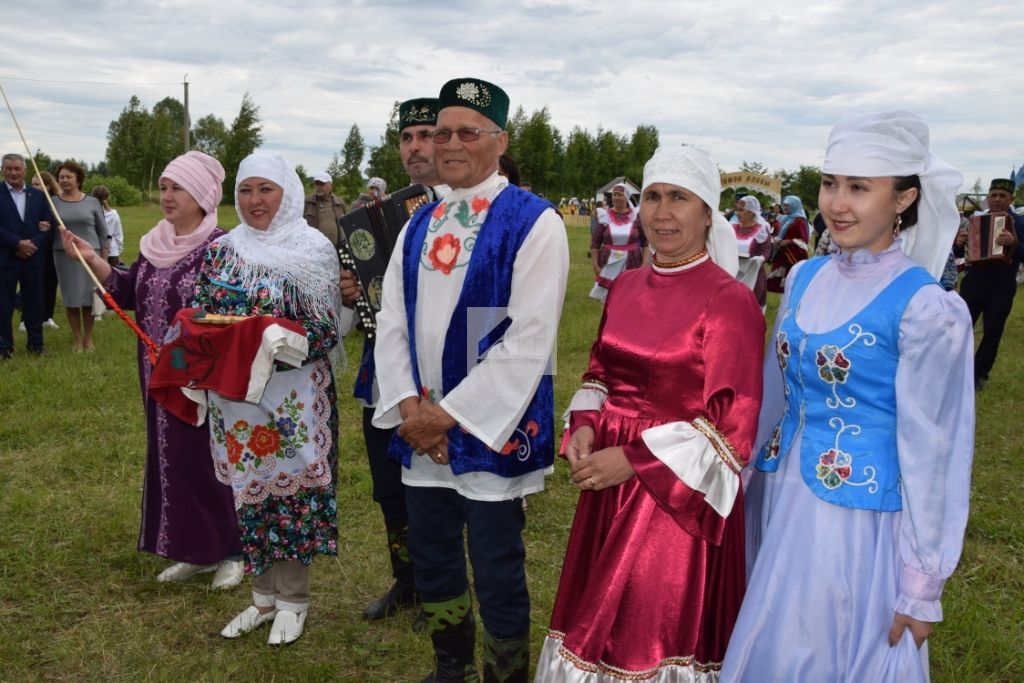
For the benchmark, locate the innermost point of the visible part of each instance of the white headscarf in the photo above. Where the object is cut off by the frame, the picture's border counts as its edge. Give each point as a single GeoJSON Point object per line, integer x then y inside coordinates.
{"type": "Point", "coordinates": [288, 252]}
{"type": "Point", "coordinates": [895, 143]}
{"type": "Point", "coordinates": [695, 170]}
{"type": "Point", "coordinates": [751, 203]}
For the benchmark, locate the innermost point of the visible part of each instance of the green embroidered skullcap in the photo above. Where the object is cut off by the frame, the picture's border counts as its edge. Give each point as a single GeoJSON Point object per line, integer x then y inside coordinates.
{"type": "Point", "coordinates": [421, 111]}
{"type": "Point", "coordinates": [486, 98]}
{"type": "Point", "coordinates": [1001, 184]}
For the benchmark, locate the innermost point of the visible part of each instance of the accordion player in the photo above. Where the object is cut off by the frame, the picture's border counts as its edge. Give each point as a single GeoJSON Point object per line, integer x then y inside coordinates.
{"type": "Point", "coordinates": [371, 232]}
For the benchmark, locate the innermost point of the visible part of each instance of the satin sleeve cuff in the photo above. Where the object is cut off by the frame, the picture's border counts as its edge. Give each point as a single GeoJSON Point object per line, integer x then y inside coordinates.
{"type": "Point", "coordinates": [585, 406]}
{"type": "Point", "coordinates": [706, 467]}
{"type": "Point", "coordinates": [920, 595]}
{"type": "Point", "coordinates": [583, 418]}
{"type": "Point", "coordinates": [590, 396]}
{"type": "Point", "coordinates": [922, 610]}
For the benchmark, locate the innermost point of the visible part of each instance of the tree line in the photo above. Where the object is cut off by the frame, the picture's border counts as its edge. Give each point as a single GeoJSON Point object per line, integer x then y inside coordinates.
{"type": "Point", "coordinates": [141, 141]}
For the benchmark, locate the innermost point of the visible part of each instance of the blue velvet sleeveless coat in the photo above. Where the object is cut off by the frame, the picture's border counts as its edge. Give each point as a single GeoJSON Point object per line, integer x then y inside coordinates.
{"type": "Point", "coordinates": [841, 392]}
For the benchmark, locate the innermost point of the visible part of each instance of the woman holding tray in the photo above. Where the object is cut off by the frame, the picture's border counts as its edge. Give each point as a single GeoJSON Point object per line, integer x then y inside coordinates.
{"type": "Point", "coordinates": [280, 456]}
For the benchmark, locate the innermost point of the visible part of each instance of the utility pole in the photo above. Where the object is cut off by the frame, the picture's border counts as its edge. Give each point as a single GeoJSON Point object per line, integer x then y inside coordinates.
{"type": "Point", "coordinates": [188, 122]}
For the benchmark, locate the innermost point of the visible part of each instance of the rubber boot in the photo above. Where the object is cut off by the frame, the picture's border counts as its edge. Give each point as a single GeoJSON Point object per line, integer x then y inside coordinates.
{"type": "Point", "coordinates": [453, 633]}
{"type": "Point", "coordinates": [402, 592]}
{"type": "Point", "coordinates": [506, 660]}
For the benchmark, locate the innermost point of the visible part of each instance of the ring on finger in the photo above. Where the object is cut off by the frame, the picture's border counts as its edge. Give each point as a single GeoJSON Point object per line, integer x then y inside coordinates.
{"type": "Point", "coordinates": [593, 484]}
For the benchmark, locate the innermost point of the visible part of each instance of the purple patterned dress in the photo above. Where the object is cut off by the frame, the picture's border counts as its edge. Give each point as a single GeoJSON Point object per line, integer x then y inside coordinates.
{"type": "Point", "coordinates": [187, 514]}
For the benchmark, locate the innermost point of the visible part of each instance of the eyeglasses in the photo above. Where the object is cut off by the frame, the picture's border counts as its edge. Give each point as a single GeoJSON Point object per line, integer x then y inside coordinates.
{"type": "Point", "coordinates": [443, 135]}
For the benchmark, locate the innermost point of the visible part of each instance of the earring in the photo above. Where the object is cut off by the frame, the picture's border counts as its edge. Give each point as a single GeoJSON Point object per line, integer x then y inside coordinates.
{"type": "Point", "coordinates": [897, 225]}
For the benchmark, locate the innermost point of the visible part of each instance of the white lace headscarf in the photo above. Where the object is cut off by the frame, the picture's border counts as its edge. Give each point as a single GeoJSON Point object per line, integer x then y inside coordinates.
{"type": "Point", "coordinates": [895, 144]}
{"type": "Point", "coordinates": [288, 252]}
{"type": "Point", "coordinates": [751, 203]}
{"type": "Point", "coordinates": [694, 169]}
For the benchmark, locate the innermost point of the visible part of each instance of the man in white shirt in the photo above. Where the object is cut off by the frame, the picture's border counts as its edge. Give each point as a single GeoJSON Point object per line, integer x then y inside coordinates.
{"type": "Point", "coordinates": [470, 309]}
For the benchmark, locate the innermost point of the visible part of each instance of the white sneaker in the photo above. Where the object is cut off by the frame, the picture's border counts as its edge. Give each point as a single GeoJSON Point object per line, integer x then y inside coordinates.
{"type": "Point", "coordinates": [98, 318]}
{"type": "Point", "coordinates": [248, 620]}
{"type": "Point", "coordinates": [183, 570]}
{"type": "Point", "coordinates": [287, 627]}
{"type": "Point", "coordinates": [229, 573]}
{"type": "Point", "coordinates": [21, 326]}
{"type": "Point", "coordinates": [52, 325]}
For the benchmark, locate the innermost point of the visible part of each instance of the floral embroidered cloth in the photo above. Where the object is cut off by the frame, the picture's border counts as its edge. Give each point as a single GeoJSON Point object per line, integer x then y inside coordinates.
{"type": "Point", "coordinates": [279, 445]}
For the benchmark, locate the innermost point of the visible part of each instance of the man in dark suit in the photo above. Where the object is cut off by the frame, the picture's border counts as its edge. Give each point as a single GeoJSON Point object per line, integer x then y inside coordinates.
{"type": "Point", "coordinates": [25, 221]}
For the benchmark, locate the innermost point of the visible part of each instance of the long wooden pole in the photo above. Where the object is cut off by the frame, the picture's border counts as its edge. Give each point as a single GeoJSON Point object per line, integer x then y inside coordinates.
{"type": "Point", "coordinates": [151, 347]}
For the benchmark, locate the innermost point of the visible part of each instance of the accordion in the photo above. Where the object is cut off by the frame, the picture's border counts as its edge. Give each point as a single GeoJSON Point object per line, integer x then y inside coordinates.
{"type": "Point", "coordinates": [981, 239]}
{"type": "Point", "coordinates": [370, 235]}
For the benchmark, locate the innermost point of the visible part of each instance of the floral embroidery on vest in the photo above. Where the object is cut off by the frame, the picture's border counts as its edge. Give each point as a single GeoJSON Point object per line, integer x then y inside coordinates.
{"type": "Point", "coordinates": [519, 442]}
{"type": "Point", "coordinates": [782, 349]}
{"type": "Point", "coordinates": [836, 465]}
{"type": "Point", "coordinates": [834, 367]}
{"type": "Point", "coordinates": [774, 444]}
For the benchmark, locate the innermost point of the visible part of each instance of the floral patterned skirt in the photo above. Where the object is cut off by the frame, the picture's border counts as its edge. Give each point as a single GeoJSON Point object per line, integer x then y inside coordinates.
{"type": "Point", "coordinates": [281, 459]}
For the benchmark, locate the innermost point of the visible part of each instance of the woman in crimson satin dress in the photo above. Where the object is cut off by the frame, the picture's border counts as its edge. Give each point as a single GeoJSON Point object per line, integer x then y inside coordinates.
{"type": "Point", "coordinates": [654, 570]}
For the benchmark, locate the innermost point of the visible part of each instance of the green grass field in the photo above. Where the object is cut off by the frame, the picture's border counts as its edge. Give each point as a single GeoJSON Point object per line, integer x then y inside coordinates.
{"type": "Point", "coordinates": [77, 602]}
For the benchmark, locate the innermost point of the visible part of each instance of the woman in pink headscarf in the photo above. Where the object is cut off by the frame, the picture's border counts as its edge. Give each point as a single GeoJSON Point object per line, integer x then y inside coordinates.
{"type": "Point", "coordinates": [187, 514]}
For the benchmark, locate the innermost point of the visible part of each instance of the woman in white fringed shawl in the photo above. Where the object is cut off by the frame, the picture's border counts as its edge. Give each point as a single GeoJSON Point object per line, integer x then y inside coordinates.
{"type": "Point", "coordinates": [280, 456]}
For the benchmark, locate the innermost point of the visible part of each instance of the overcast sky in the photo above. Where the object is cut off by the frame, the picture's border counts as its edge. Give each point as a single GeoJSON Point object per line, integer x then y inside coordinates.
{"type": "Point", "coordinates": [758, 81]}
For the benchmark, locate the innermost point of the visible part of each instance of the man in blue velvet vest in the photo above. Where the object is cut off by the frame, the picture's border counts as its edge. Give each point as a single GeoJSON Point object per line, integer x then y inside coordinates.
{"type": "Point", "coordinates": [466, 333]}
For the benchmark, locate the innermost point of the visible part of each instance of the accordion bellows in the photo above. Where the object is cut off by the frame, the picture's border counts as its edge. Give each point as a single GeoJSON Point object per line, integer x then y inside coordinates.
{"type": "Point", "coordinates": [981, 239]}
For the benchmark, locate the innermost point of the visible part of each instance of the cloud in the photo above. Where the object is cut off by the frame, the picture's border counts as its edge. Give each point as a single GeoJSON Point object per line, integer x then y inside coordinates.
{"type": "Point", "coordinates": [749, 81]}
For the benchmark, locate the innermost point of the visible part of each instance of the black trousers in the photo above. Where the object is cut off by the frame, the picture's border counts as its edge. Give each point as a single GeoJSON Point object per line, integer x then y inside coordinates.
{"type": "Point", "coordinates": [386, 474]}
{"type": "Point", "coordinates": [49, 285]}
{"type": "Point", "coordinates": [437, 518]}
{"type": "Point", "coordinates": [989, 295]}
{"type": "Point", "coordinates": [31, 281]}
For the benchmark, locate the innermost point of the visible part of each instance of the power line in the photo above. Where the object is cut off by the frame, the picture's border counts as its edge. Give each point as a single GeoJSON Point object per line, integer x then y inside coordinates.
{"type": "Point", "coordinates": [43, 80]}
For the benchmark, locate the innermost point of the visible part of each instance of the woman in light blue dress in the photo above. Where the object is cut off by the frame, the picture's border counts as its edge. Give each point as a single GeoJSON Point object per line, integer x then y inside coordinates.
{"type": "Point", "coordinates": [858, 499]}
